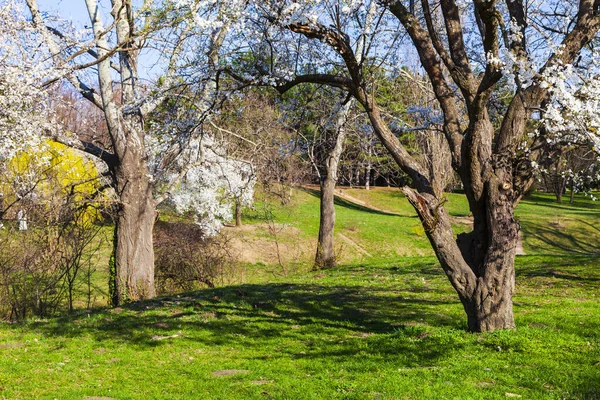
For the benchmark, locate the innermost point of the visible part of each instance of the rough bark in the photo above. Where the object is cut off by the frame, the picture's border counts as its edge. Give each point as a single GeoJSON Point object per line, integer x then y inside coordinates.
{"type": "Point", "coordinates": [325, 257]}
{"type": "Point", "coordinates": [134, 253]}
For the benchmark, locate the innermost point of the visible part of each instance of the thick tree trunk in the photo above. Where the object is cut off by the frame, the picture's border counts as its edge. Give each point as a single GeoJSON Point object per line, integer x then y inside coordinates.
{"type": "Point", "coordinates": [134, 252]}
{"type": "Point", "coordinates": [491, 307]}
{"type": "Point", "coordinates": [483, 277]}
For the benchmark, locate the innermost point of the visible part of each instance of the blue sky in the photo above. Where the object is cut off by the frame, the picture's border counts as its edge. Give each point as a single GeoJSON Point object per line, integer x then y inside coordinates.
{"type": "Point", "coordinates": [76, 12]}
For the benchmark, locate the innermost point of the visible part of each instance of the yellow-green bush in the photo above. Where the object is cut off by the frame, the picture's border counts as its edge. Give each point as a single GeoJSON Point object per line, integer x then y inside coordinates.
{"type": "Point", "coordinates": [49, 176]}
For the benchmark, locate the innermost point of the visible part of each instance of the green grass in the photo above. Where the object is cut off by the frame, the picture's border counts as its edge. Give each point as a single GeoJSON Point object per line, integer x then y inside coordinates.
{"type": "Point", "coordinates": [548, 227]}
{"type": "Point", "coordinates": [361, 331]}
{"type": "Point", "coordinates": [384, 326]}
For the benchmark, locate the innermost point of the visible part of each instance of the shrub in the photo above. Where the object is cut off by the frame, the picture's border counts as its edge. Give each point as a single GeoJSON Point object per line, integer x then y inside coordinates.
{"type": "Point", "coordinates": [43, 268]}
{"type": "Point", "coordinates": [186, 259]}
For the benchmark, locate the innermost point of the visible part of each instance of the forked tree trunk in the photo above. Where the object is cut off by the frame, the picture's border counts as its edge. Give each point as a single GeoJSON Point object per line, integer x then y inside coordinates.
{"type": "Point", "coordinates": [480, 265]}
{"type": "Point", "coordinates": [490, 306]}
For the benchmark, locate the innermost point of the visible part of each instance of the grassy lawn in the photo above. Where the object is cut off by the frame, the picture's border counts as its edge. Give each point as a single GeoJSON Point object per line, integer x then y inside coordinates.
{"type": "Point", "coordinates": [381, 326]}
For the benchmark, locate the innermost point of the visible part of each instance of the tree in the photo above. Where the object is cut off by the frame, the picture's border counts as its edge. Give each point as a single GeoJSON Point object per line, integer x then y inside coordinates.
{"type": "Point", "coordinates": [322, 133]}
{"type": "Point", "coordinates": [186, 38]}
{"type": "Point", "coordinates": [460, 45]}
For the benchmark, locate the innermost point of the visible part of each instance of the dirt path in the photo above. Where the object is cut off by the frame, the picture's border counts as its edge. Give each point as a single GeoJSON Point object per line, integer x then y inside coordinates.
{"type": "Point", "coordinates": [344, 196]}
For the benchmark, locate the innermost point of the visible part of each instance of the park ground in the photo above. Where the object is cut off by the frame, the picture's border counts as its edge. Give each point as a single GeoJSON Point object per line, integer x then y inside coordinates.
{"type": "Point", "coordinates": [384, 324]}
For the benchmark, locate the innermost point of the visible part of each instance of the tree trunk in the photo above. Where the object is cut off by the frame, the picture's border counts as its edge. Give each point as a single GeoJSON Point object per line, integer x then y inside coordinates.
{"type": "Point", "coordinates": [481, 271]}
{"type": "Point", "coordinates": [572, 195]}
{"type": "Point", "coordinates": [368, 169]}
{"type": "Point", "coordinates": [325, 257]}
{"type": "Point", "coordinates": [134, 252]}
{"type": "Point", "coordinates": [238, 213]}
{"type": "Point", "coordinates": [491, 307]}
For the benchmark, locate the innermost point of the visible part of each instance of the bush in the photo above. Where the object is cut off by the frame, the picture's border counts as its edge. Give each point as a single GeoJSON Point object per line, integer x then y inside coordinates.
{"type": "Point", "coordinates": [185, 259]}
{"type": "Point", "coordinates": [43, 268]}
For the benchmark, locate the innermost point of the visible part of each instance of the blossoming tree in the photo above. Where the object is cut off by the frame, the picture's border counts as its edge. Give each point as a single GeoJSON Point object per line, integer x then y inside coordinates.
{"type": "Point", "coordinates": [183, 40]}
{"type": "Point", "coordinates": [466, 48]}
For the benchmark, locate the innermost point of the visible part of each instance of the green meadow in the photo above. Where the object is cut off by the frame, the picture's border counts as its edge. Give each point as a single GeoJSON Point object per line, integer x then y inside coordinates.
{"type": "Point", "coordinates": [384, 324]}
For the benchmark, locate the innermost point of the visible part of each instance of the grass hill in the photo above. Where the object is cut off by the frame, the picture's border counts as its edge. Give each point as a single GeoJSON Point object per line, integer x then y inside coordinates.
{"type": "Point", "coordinates": [385, 324]}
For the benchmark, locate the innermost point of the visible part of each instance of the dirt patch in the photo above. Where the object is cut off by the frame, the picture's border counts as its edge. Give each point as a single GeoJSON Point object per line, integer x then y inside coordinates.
{"type": "Point", "coordinates": [11, 345]}
{"type": "Point", "coordinates": [269, 245]}
{"type": "Point", "coordinates": [462, 220]}
{"type": "Point", "coordinates": [261, 382]}
{"type": "Point", "coordinates": [157, 337]}
{"type": "Point", "coordinates": [354, 245]}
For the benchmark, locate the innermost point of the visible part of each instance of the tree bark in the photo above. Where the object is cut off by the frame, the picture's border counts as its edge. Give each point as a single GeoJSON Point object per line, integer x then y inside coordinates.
{"type": "Point", "coordinates": [484, 288]}
{"type": "Point", "coordinates": [368, 168]}
{"type": "Point", "coordinates": [238, 213]}
{"type": "Point", "coordinates": [325, 257]}
{"type": "Point", "coordinates": [134, 252]}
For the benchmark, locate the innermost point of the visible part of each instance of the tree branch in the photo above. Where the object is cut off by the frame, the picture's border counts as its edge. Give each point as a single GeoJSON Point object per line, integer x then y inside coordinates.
{"type": "Point", "coordinates": [340, 82]}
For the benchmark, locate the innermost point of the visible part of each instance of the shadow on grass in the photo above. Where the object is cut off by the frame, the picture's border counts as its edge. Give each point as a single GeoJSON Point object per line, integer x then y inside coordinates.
{"type": "Point", "coordinates": [550, 201]}
{"type": "Point", "coordinates": [258, 316]}
{"type": "Point", "coordinates": [580, 238]}
{"type": "Point", "coordinates": [338, 201]}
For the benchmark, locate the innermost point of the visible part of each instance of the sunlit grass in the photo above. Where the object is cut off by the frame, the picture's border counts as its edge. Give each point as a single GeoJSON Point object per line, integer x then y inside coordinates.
{"type": "Point", "coordinates": [382, 326]}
